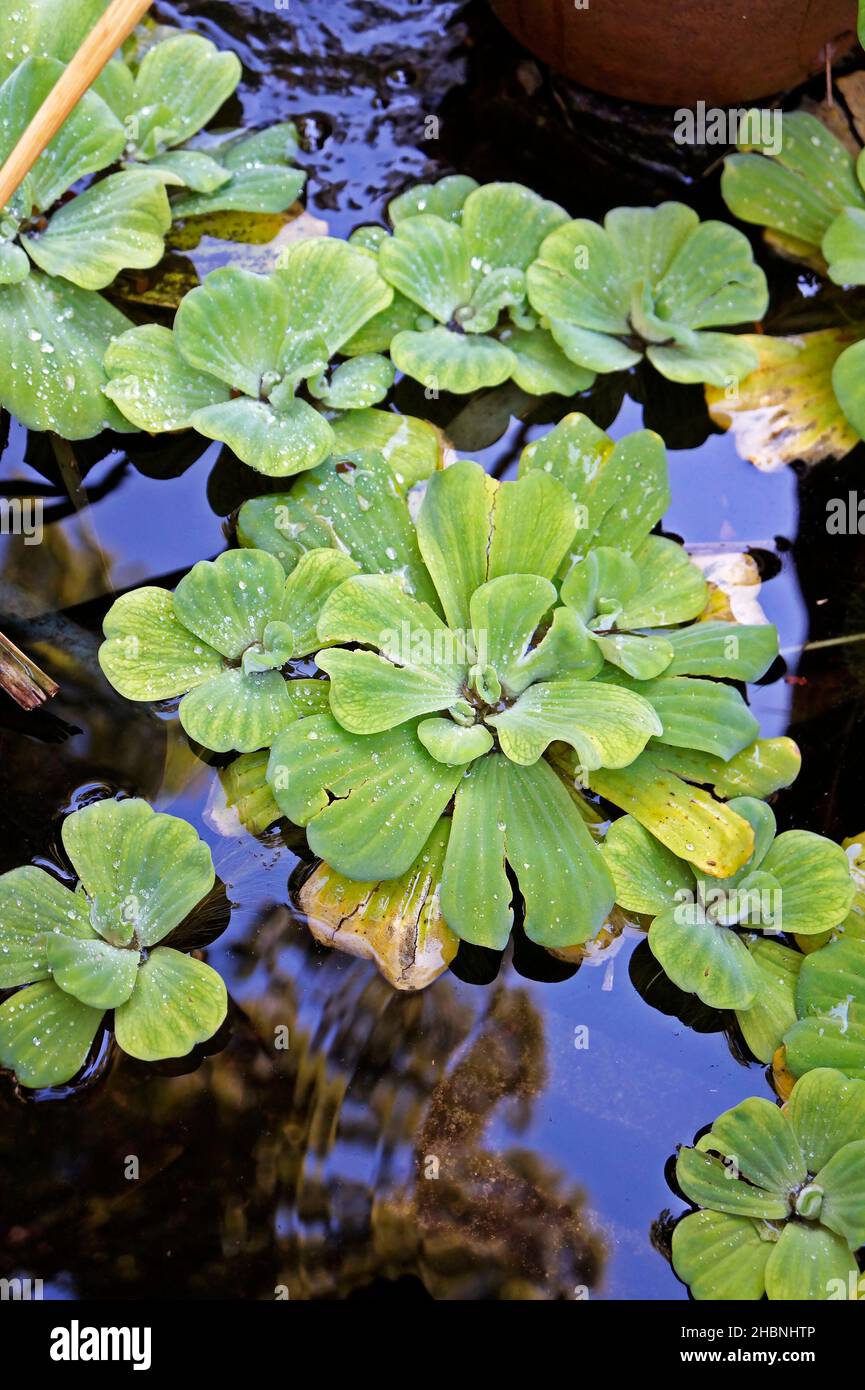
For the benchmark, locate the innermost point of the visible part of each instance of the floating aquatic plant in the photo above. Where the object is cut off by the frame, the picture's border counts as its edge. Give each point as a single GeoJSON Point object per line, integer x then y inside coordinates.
{"type": "Point", "coordinates": [58, 250]}
{"type": "Point", "coordinates": [222, 641]}
{"type": "Point", "coordinates": [795, 882]}
{"type": "Point", "coordinates": [243, 348]}
{"type": "Point", "coordinates": [485, 649]}
{"type": "Point", "coordinates": [457, 260]}
{"type": "Point", "coordinates": [71, 955]}
{"type": "Point", "coordinates": [651, 281]}
{"type": "Point", "coordinates": [781, 1194]}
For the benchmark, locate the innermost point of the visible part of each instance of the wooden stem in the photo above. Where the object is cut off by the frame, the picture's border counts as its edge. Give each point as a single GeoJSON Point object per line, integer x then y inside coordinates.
{"type": "Point", "coordinates": [103, 40]}
{"type": "Point", "coordinates": [22, 678]}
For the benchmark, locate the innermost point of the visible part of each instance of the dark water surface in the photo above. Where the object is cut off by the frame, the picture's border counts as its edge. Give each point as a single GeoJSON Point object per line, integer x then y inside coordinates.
{"type": "Point", "coordinates": [305, 1168]}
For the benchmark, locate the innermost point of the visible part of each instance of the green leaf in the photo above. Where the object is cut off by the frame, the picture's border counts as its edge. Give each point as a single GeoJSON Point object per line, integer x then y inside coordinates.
{"type": "Point", "coordinates": [453, 531]}
{"type": "Point", "coordinates": [605, 725]}
{"type": "Point", "coordinates": [317, 574]}
{"type": "Point", "coordinates": [51, 377]}
{"type": "Point", "coordinates": [540, 367]}
{"type": "Point", "coordinates": [445, 199]}
{"type": "Point", "coordinates": [686, 819]}
{"type": "Point", "coordinates": [621, 490]}
{"type": "Point", "coordinates": [646, 874]}
{"type": "Point", "coordinates": [505, 223]}
{"type": "Point", "coordinates": [580, 277]}
{"type": "Point", "coordinates": [454, 744]}
{"type": "Point", "coordinates": [759, 1138]}
{"type": "Point", "coordinates": [143, 871]}
{"type": "Point", "coordinates": [376, 610]}
{"type": "Point", "coordinates": [831, 978]}
{"type": "Point", "coordinates": [773, 1009]}
{"type": "Point", "coordinates": [827, 1111]}
{"type": "Point", "coordinates": [95, 972]}
{"type": "Point", "coordinates": [717, 358]}
{"type": "Point", "coordinates": [181, 82]}
{"type": "Point", "coordinates": [698, 713]}
{"type": "Point", "coordinates": [191, 169]}
{"type": "Point", "coordinates": [638, 656]}
{"type": "Point", "coordinates": [148, 654]}
{"type": "Point", "coordinates": [429, 261]}
{"type": "Point", "coordinates": [357, 384]}
{"type": "Point", "coordinates": [734, 651]}
{"type": "Point", "coordinates": [524, 815]}
{"type": "Point", "coordinates": [844, 247]}
{"type": "Point", "coordinates": [710, 1183]}
{"type": "Point", "coordinates": [331, 287]}
{"type": "Point", "coordinates": [237, 710]}
{"type": "Point", "coordinates": [152, 384]}
{"type": "Point", "coordinates": [90, 138]}
{"type": "Point", "coordinates": [14, 265]}
{"type": "Point", "coordinates": [227, 602]}
{"type": "Point", "coordinates": [177, 1002]}
{"type": "Point", "coordinates": [33, 905]}
{"type": "Point", "coordinates": [45, 28]}
{"type": "Point", "coordinates": [505, 614]}
{"type": "Point", "coordinates": [722, 1258]}
{"type": "Point", "coordinates": [517, 545]}
{"type": "Point", "coordinates": [759, 770]}
{"type": "Point", "coordinates": [369, 694]}
{"type": "Point", "coordinates": [672, 588]}
{"type": "Point", "coordinates": [45, 1034]}
{"type": "Point", "coordinates": [815, 881]}
{"type": "Point", "coordinates": [601, 583]}
{"type": "Point", "coordinates": [648, 239]}
{"type": "Point", "coordinates": [389, 794]}
{"type": "Point", "coordinates": [712, 280]}
{"type": "Point", "coordinates": [234, 327]}
{"type": "Point", "coordinates": [266, 188]}
{"type": "Point", "coordinates": [120, 221]}
{"type": "Point", "coordinates": [806, 1264]}
{"type": "Point", "coordinates": [704, 958]}
{"type": "Point", "coordinates": [848, 376]}
{"type": "Point", "coordinates": [444, 360]}
{"type": "Point", "coordinates": [356, 507]}
{"type": "Point", "coordinates": [842, 1180]}
{"type": "Point", "coordinates": [397, 924]}
{"type": "Point", "coordinates": [277, 443]}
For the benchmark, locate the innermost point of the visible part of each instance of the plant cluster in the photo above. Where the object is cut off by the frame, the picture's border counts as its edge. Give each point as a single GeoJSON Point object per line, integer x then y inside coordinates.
{"type": "Point", "coordinates": [101, 198]}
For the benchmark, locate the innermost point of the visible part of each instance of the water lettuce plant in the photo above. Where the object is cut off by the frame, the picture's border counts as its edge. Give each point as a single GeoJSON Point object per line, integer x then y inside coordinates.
{"type": "Point", "coordinates": [484, 649]}
{"type": "Point", "coordinates": [654, 282]}
{"type": "Point", "coordinates": [72, 955]}
{"type": "Point", "coordinates": [221, 641]}
{"type": "Point", "coordinates": [246, 350]}
{"type": "Point", "coordinates": [781, 1197]}
{"type": "Point", "coordinates": [59, 248]}
{"type": "Point", "coordinates": [796, 882]}
{"type": "Point", "coordinates": [457, 260]}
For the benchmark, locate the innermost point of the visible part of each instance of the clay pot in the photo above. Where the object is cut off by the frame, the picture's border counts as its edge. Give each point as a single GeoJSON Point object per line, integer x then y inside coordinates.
{"type": "Point", "coordinates": [679, 52]}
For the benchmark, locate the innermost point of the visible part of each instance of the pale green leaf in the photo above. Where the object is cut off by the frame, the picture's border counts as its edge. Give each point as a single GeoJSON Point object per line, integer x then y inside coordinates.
{"type": "Point", "coordinates": [721, 1258]}
{"type": "Point", "coordinates": [33, 906]}
{"type": "Point", "coordinates": [148, 654]}
{"type": "Point", "coordinates": [119, 221]}
{"type": "Point", "coordinates": [151, 383]}
{"type": "Point", "coordinates": [177, 1002]}
{"type": "Point", "coordinates": [45, 1034]}
{"type": "Point", "coordinates": [605, 725]}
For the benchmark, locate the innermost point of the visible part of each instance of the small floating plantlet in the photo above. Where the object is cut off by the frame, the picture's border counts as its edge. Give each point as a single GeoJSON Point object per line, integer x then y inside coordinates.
{"type": "Point", "coordinates": [654, 282]}
{"type": "Point", "coordinates": [71, 956]}
{"type": "Point", "coordinates": [781, 1197]}
{"type": "Point", "coordinates": [796, 882]}
{"type": "Point", "coordinates": [457, 259]}
{"type": "Point", "coordinates": [242, 347]}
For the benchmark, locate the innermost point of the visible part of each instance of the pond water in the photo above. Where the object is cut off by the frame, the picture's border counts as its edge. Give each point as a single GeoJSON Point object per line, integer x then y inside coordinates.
{"type": "Point", "coordinates": [310, 1169]}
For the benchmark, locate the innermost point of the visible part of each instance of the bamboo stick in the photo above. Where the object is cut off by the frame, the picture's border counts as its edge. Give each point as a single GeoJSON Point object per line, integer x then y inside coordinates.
{"type": "Point", "coordinates": [103, 40]}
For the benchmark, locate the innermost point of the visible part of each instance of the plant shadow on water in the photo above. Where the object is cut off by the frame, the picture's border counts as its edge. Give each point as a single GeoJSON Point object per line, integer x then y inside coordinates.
{"type": "Point", "coordinates": [340, 1139]}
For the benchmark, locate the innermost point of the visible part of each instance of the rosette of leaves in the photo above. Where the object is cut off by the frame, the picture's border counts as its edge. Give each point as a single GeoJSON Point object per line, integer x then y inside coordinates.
{"type": "Point", "coordinates": [457, 260]}
{"type": "Point", "coordinates": [796, 882]}
{"type": "Point", "coordinates": [164, 96]}
{"type": "Point", "coordinates": [781, 1197]}
{"type": "Point", "coordinates": [248, 351]}
{"type": "Point", "coordinates": [457, 674]}
{"type": "Point", "coordinates": [57, 251]}
{"type": "Point", "coordinates": [72, 955]}
{"type": "Point", "coordinates": [651, 281]}
{"type": "Point", "coordinates": [811, 1006]}
{"type": "Point", "coordinates": [222, 642]}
